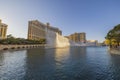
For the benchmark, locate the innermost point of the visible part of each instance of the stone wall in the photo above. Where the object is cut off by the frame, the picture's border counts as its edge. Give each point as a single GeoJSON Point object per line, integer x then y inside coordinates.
{"type": "Point", "coordinates": [6, 47]}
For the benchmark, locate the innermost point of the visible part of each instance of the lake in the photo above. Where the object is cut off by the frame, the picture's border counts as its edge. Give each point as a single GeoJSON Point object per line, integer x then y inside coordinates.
{"type": "Point", "coordinates": [74, 63]}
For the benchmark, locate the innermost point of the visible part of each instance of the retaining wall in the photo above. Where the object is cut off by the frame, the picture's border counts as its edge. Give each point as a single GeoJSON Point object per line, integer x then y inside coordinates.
{"type": "Point", "coordinates": [6, 47]}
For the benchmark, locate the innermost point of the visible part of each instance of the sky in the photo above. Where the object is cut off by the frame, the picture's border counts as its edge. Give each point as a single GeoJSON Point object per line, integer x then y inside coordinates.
{"type": "Point", "coordinates": [94, 17]}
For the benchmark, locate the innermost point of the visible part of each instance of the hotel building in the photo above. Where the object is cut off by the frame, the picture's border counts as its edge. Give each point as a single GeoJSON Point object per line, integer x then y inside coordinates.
{"type": "Point", "coordinates": [3, 30]}
{"type": "Point", "coordinates": [92, 43]}
{"type": "Point", "coordinates": [37, 30]}
{"type": "Point", "coordinates": [77, 37]}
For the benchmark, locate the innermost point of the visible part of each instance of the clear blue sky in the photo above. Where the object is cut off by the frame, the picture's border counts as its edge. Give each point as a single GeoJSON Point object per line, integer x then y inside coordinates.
{"type": "Point", "coordinates": [95, 17]}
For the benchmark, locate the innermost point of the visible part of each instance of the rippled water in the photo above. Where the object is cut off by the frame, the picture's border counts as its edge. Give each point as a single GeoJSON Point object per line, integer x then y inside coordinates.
{"type": "Point", "coordinates": [76, 63]}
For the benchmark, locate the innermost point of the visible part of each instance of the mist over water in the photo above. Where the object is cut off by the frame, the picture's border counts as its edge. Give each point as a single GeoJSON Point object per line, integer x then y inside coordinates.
{"type": "Point", "coordinates": [54, 40]}
{"type": "Point", "coordinates": [73, 63]}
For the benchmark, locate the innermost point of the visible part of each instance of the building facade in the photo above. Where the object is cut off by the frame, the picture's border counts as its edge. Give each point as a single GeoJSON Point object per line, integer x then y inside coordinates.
{"type": "Point", "coordinates": [92, 43]}
{"type": "Point", "coordinates": [82, 37]}
{"type": "Point", "coordinates": [55, 29]}
{"type": "Point", "coordinates": [37, 30]}
{"type": "Point", "coordinates": [77, 37]}
{"type": "Point", "coordinates": [3, 30]}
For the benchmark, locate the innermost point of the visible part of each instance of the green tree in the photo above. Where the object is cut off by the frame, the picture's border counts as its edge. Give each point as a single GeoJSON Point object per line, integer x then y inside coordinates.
{"type": "Point", "coordinates": [12, 40]}
{"type": "Point", "coordinates": [114, 36]}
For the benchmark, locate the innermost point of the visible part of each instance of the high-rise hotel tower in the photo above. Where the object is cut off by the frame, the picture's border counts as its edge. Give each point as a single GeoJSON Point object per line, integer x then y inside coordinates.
{"type": "Point", "coordinates": [37, 30]}
{"type": "Point", "coordinates": [3, 30]}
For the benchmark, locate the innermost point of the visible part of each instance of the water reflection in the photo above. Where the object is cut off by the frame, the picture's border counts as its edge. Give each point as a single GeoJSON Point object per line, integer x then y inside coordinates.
{"type": "Point", "coordinates": [74, 63]}
{"type": "Point", "coordinates": [114, 67]}
{"type": "Point", "coordinates": [35, 63]}
{"type": "Point", "coordinates": [61, 55]}
{"type": "Point", "coordinates": [1, 59]}
{"type": "Point", "coordinates": [78, 52]}
{"type": "Point", "coordinates": [12, 63]}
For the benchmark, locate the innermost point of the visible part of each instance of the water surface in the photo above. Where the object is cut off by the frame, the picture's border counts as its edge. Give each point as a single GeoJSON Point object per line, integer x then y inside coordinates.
{"type": "Point", "coordinates": [75, 63]}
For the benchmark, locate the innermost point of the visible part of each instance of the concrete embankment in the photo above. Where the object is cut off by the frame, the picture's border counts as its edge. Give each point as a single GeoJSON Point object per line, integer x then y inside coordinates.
{"type": "Point", "coordinates": [114, 50]}
{"type": "Point", "coordinates": [8, 47]}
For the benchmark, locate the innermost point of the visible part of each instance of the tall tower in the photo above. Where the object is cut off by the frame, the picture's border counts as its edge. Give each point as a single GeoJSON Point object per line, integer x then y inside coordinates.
{"type": "Point", "coordinates": [36, 30]}
{"type": "Point", "coordinates": [82, 37]}
{"type": "Point", "coordinates": [3, 30]}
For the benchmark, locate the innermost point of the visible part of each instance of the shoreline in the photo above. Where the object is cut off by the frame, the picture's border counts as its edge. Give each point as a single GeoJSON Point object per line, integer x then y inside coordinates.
{"type": "Point", "coordinates": [17, 47]}
{"type": "Point", "coordinates": [114, 50]}
{"type": "Point", "coordinates": [30, 46]}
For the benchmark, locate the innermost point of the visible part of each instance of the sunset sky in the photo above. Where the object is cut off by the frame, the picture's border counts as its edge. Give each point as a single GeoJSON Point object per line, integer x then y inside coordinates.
{"type": "Point", "coordinates": [94, 17]}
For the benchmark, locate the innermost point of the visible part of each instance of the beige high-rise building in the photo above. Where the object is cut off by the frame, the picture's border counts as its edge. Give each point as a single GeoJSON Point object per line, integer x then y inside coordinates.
{"type": "Point", "coordinates": [77, 37]}
{"type": "Point", "coordinates": [55, 29]}
{"type": "Point", "coordinates": [92, 42]}
{"type": "Point", "coordinates": [37, 30]}
{"type": "Point", "coordinates": [3, 30]}
{"type": "Point", "coordinates": [82, 37]}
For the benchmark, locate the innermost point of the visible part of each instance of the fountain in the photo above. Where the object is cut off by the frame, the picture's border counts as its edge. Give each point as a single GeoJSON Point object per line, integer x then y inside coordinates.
{"type": "Point", "coordinates": [55, 40]}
